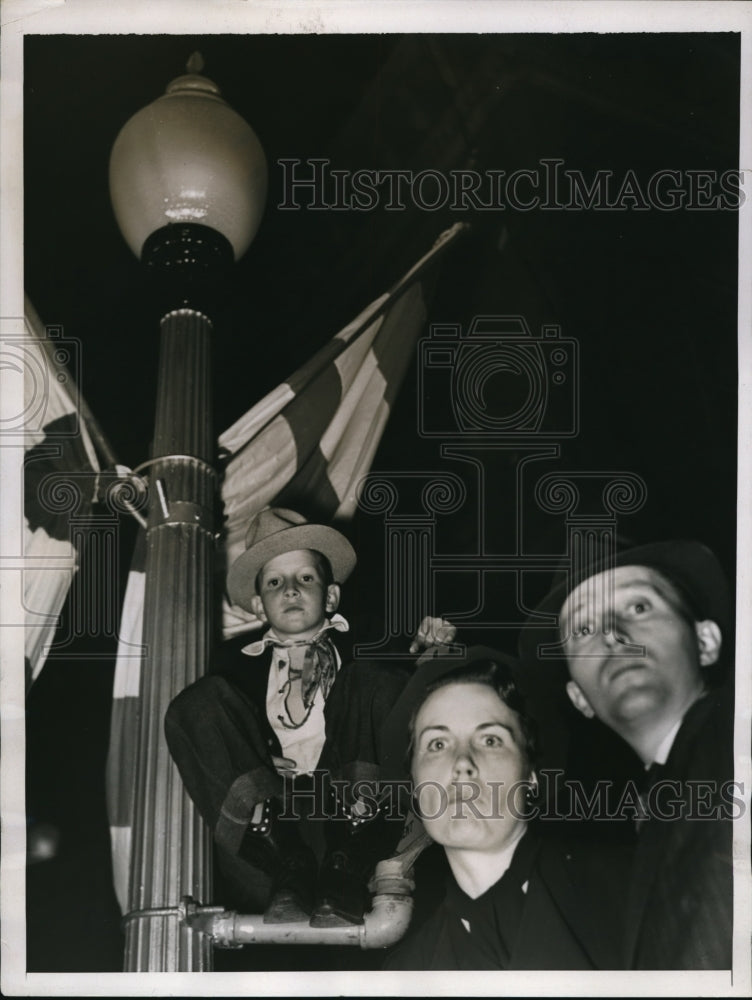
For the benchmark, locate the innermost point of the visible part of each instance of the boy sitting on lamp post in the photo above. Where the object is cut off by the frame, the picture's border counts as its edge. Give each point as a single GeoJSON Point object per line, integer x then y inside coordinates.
{"type": "Point", "coordinates": [250, 739]}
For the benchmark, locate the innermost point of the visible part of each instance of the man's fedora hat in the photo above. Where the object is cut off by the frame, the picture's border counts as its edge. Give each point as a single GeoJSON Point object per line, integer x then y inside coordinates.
{"type": "Point", "coordinates": [274, 531]}
{"type": "Point", "coordinates": [689, 565]}
{"type": "Point", "coordinates": [434, 664]}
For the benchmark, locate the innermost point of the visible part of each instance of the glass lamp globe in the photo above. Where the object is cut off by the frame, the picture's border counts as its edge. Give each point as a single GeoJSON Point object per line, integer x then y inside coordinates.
{"type": "Point", "coordinates": [188, 158]}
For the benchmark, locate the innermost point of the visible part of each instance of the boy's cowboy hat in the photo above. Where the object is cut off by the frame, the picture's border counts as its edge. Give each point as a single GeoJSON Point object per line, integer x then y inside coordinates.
{"type": "Point", "coordinates": [274, 531]}
{"type": "Point", "coordinates": [689, 565]}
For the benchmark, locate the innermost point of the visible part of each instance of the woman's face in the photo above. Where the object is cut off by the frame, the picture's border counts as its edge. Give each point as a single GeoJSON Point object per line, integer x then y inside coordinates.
{"type": "Point", "coordinates": [467, 766]}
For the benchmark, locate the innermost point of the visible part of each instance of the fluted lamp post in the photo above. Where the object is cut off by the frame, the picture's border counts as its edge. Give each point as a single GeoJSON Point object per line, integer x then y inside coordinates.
{"type": "Point", "coordinates": [188, 184]}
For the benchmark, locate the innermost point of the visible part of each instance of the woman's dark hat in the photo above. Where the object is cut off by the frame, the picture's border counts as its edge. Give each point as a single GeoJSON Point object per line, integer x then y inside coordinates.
{"type": "Point", "coordinates": [432, 665]}
{"type": "Point", "coordinates": [274, 531]}
{"type": "Point", "coordinates": [690, 565]}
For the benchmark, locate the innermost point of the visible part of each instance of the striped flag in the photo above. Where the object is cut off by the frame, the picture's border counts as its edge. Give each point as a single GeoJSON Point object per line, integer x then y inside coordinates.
{"type": "Point", "coordinates": [305, 445]}
{"type": "Point", "coordinates": [60, 473]}
{"type": "Point", "coordinates": [121, 759]}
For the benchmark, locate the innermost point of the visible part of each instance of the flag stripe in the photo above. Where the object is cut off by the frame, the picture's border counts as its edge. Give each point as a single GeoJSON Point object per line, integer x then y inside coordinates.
{"type": "Point", "coordinates": [124, 722]}
{"type": "Point", "coordinates": [311, 481]}
{"type": "Point", "coordinates": [120, 840]}
{"type": "Point", "coordinates": [312, 411]}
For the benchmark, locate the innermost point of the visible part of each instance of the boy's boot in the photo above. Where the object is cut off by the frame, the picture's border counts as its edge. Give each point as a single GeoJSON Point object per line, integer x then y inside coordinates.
{"type": "Point", "coordinates": [273, 843]}
{"type": "Point", "coordinates": [357, 838]}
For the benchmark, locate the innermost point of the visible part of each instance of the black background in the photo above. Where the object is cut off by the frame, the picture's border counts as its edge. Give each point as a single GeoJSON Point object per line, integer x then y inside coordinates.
{"type": "Point", "coordinates": [649, 296]}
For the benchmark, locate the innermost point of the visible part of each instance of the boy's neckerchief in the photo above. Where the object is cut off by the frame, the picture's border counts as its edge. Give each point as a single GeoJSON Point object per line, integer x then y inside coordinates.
{"type": "Point", "coordinates": [312, 665]}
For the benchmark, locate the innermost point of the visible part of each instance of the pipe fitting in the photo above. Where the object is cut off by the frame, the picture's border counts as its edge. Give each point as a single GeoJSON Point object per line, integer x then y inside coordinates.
{"type": "Point", "coordinates": [384, 925]}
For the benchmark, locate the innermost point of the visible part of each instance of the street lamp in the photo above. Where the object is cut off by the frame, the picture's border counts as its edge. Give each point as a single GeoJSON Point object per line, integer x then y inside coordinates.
{"type": "Point", "coordinates": [188, 184]}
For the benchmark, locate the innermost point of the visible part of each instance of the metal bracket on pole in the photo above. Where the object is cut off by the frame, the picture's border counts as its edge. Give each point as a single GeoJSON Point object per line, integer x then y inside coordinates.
{"type": "Point", "coordinates": [203, 918]}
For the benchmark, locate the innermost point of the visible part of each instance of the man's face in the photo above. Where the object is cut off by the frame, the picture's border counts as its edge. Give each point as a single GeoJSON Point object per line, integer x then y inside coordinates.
{"type": "Point", "coordinates": [292, 596]}
{"type": "Point", "coordinates": [632, 655]}
{"type": "Point", "coordinates": [466, 738]}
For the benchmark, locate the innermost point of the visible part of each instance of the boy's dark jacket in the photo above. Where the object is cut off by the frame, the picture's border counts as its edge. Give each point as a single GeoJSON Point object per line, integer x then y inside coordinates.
{"type": "Point", "coordinates": [251, 673]}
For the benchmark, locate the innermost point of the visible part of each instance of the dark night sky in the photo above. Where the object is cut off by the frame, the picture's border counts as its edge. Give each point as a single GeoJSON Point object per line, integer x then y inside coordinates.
{"type": "Point", "coordinates": [650, 296]}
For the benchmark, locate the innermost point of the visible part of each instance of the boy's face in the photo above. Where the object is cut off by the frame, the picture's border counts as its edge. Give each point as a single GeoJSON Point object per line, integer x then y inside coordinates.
{"type": "Point", "coordinates": [293, 598]}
